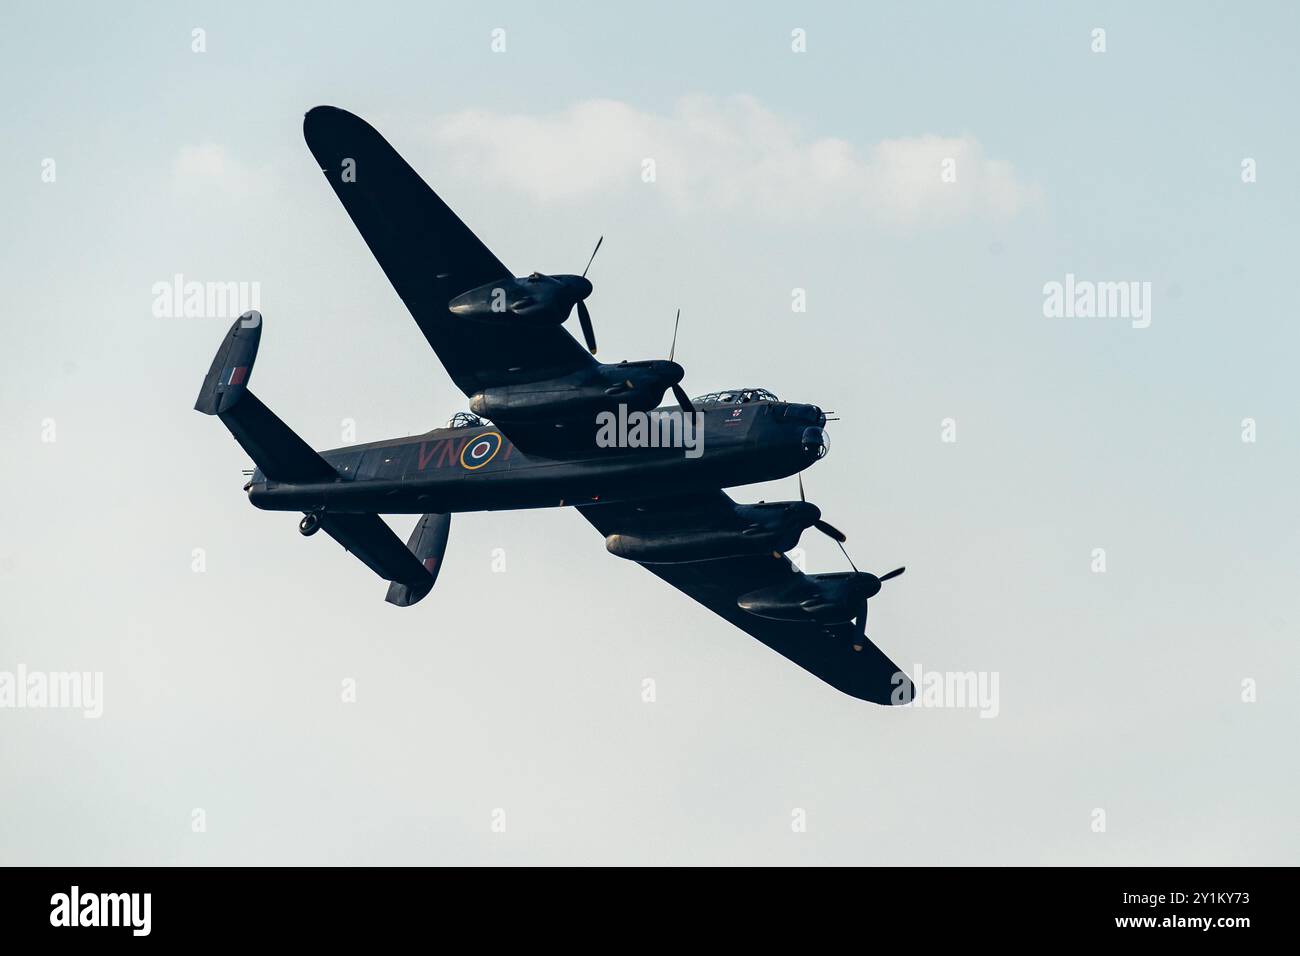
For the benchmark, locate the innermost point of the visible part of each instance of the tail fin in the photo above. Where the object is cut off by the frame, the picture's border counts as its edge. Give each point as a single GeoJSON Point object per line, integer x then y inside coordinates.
{"type": "Point", "coordinates": [273, 446]}
{"type": "Point", "coordinates": [227, 379]}
{"type": "Point", "coordinates": [281, 455]}
{"type": "Point", "coordinates": [428, 544]}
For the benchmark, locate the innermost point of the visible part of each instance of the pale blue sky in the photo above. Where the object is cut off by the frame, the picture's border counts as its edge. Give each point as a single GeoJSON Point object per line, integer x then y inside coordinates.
{"type": "Point", "coordinates": [1119, 690]}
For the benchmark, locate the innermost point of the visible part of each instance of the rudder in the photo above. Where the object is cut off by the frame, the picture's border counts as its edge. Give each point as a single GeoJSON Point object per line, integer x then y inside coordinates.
{"type": "Point", "coordinates": [273, 445]}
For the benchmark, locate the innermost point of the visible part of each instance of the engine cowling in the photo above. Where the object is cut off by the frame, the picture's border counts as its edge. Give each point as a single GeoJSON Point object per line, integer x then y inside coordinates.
{"type": "Point", "coordinates": [536, 299]}
{"type": "Point", "coordinates": [823, 598]}
{"type": "Point", "coordinates": [638, 385]}
{"type": "Point", "coordinates": [760, 529]}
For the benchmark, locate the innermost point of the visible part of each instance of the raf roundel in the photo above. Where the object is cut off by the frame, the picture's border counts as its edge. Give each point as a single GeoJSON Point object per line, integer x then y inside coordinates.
{"type": "Point", "coordinates": [480, 450]}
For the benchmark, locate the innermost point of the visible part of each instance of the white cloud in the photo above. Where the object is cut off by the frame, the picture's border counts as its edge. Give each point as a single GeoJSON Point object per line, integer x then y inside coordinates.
{"type": "Point", "coordinates": [210, 167]}
{"type": "Point", "coordinates": [728, 153]}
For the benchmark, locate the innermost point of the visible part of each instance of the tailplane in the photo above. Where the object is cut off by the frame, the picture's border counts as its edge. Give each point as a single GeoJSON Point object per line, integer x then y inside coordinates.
{"type": "Point", "coordinates": [281, 456]}
{"type": "Point", "coordinates": [409, 572]}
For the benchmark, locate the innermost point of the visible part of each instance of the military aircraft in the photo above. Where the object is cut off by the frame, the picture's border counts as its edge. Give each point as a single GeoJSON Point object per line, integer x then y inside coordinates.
{"type": "Point", "coordinates": [535, 396]}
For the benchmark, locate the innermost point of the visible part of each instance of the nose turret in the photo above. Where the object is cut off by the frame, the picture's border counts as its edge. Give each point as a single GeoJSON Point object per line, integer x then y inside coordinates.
{"type": "Point", "coordinates": [815, 443]}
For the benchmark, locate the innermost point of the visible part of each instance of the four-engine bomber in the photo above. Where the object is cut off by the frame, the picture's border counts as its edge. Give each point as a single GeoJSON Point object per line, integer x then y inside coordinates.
{"type": "Point", "coordinates": [533, 439]}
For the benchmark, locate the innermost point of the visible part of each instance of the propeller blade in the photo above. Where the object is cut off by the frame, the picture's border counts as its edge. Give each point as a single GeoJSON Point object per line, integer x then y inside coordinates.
{"type": "Point", "coordinates": [892, 574]}
{"type": "Point", "coordinates": [683, 402]}
{"type": "Point", "coordinates": [588, 333]}
{"type": "Point", "coordinates": [679, 393]}
{"type": "Point", "coordinates": [826, 528]}
{"type": "Point", "coordinates": [846, 555]}
{"type": "Point", "coordinates": [589, 262]}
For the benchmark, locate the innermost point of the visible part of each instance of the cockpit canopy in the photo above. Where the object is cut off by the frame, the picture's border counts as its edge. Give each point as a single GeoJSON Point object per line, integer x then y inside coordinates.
{"type": "Point", "coordinates": [735, 396]}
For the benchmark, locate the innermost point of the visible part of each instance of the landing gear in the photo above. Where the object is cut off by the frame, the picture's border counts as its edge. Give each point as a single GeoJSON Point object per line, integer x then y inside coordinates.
{"type": "Point", "coordinates": [309, 524]}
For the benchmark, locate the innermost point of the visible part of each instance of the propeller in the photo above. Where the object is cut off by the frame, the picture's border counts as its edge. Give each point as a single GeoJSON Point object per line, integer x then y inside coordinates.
{"type": "Point", "coordinates": [861, 620]}
{"type": "Point", "coordinates": [584, 316]}
{"type": "Point", "coordinates": [825, 527]}
{"type": "Point", "coordinates": [679, 393]}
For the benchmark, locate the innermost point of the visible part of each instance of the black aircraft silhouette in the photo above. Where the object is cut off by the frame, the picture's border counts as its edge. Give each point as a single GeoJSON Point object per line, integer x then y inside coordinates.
{"type": "Point", "coordinates": [530, 441]}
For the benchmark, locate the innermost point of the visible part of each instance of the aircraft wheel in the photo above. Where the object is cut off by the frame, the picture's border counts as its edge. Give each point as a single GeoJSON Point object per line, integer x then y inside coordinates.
{"type": "Point", "coordinates": [309, 525]}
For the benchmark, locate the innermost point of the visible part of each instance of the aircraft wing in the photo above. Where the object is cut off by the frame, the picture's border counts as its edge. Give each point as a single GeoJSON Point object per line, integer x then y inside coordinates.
{"type": "Point", "coordinates": [826, 652]}
{"type": "Point", "coordinates": [430, 257]}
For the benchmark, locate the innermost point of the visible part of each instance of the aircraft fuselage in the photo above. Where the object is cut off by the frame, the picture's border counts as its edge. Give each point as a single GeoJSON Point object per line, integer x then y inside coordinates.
{"type": "Point", "coordinates": [479, 469]}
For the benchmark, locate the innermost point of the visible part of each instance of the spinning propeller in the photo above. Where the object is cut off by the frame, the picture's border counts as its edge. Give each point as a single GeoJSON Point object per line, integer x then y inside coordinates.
{"type": "Point", "coordinates": [825, 527]}
{"type": "Point", "coordinates": [679, 393]}
{"type": "Point", "coordinates": [861, 619]}
{"type": "Point", "coordinates": [584, 289]}
{"type": "Point", "coordinates": [872, 581]}
{"type": "Point", "coordinates": [584, 317]}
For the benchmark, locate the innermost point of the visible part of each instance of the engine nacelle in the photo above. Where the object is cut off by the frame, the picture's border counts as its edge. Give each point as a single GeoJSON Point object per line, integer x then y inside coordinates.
{"type": "Point", "coordinates": [537, 299]}
{"type": "Point", "coordinates": [638, 385]}
{"type": "Point", "coordinates": [823, 598]}
{"type": "Point", "coordinates": [759, 529]}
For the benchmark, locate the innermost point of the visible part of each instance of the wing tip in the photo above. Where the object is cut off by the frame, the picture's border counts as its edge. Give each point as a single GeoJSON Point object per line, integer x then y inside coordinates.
{"type": "Point", "coordinates": [324, 119]}
{"type": "Point", "coordinates": [325, 111]}
{"type": "Point", "coordinates": [901, 689]}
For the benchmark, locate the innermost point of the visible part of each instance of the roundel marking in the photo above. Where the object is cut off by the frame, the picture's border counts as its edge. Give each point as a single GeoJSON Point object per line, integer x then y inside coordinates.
{"type": "Point", "coordinates": [480, 450]}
